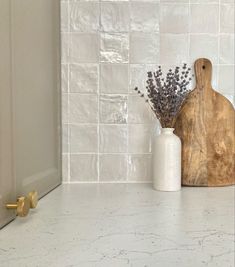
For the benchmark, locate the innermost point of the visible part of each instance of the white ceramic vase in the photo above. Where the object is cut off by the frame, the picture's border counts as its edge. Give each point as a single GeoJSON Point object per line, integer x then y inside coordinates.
{"type": "Point", "coordinates": [167, 161]}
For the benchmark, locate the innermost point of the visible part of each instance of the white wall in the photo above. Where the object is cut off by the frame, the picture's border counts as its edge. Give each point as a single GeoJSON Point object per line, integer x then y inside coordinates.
{"type": "Point", "coordinates": [107, 47]}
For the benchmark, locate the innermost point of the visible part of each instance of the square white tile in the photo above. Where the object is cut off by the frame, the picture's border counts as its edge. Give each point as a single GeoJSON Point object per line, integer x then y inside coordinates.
{"type": "Point", "coordinates": [114, 48]}
{"type": "Point", "coordinates": [84, 16]}
{"type": "Point", "coordinates": [113, 109]}
{"type": "Point", "coordinates": [113, 167]}
{"type": "Point", "coordinates": [174, 49]}
{"type": "Point", "coordinates": [113, 138]}
{"type": "Point", "coordinates": [83, 108]}
{"type": "Point", "coordinates": [144, 16]}
{"type": "Point", "coordinates": [144, 47]}
{"type": "Point", "coordinates": [83, 138]}
{"type": "Point", "coordinates": [84, 48]}
{"type": "Point", "coordinates": [114, 78]}
{"type": "Point", "coordinates": [84, 167]}
{"type": "Point", "coordinates": [204, 18]}
{"type": "Point", "coordinates": [83, 78]}
{"type": "Point", "coordinates": [115, 16]}
{"type": "Point", "coordinates": [174, 18]}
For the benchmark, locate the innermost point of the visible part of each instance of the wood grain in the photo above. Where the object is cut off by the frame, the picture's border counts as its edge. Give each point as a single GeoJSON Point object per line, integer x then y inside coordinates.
{"type": "Point", "coordinates": [206, 128]}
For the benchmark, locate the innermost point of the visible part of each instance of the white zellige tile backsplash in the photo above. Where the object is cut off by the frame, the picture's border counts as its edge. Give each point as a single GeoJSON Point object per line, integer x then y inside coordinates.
{"type": "Point", "coordinates": [107, 48]}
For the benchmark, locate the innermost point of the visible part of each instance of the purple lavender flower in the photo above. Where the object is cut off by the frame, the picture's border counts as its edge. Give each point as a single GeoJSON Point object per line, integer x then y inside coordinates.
{"type": "Point", "coordinates": [166, 94]}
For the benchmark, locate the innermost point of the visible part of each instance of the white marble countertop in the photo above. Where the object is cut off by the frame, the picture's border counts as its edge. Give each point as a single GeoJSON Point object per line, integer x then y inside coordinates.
{"type": "Point", "coordinates": [118, 225]}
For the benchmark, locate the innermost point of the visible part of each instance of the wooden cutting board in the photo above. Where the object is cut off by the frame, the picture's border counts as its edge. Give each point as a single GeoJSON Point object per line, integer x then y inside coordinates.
{"type": "Point", "coordinates": [206, 128]}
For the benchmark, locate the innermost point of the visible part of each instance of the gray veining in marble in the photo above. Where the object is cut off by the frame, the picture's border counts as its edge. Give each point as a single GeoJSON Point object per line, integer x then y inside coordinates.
{"type": "Point", "coordinates": [118, 225]}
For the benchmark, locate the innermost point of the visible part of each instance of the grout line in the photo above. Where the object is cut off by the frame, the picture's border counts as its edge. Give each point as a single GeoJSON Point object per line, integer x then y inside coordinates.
{"type": "Point", "coordinates": [68, 114]}
{"type": "Point", "coordinates": [141, 64]}
{"type": "Point", "coordinates": [109, 153]}
{"type": "Point", "coordinates": [68, 132]}
{"type": "Point", "coordinates": [218, 48]}
{"type": "Point", "coordinates": [189, 31]}
{"type": "Point", "coordinates": [98, 127]}
{"type": "Point", "coordinates": [128, 91]}
{"type": "Point", "coordinates": [108, 182]}
{"type": "Point", "coordinates": [106, 124]}
{"type": "Point", "coordinates": [98, 93]}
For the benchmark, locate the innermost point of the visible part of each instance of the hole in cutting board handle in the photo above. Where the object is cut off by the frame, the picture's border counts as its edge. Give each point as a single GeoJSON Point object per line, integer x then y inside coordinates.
{"type": "Point", "coordinates": [203, 66]}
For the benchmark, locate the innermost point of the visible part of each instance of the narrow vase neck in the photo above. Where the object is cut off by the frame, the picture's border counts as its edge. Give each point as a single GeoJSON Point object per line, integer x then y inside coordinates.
{"type": "Point", "coordinates": [167, 130]}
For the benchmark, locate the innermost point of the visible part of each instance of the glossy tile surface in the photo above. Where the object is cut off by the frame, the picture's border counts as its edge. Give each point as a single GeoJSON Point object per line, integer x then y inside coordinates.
{"type": "Point", "coordinates": [124, 225]}
{"type": "Point", "coordinates": [144, 16]}
{"type": "Point", "coordinates": [113, 109]}
{"type": "Point", "coordinates": [174, 18]}
{"type": "Point", "coordinates": [83, 138]}
{"type": "Point", "coordinates": [114, 48]}
{"type": "Point", "coordinates": [84, 16]}
{"type": "Point", "coordinates": [115, 16]}
{"type": "Point", "coordinates": [113, 167]}
{"type": "Point", "coordinates": [144, 48]}
{"type": "Point", "coordinates": [83, 78]}
{"type": "Point", "coordinates": [114, 78]}
{"type": "Point", "coordinates": [83, 167]}
{"type": "Point", "coordinates": [84, 48]}
{"type": "Point", "coordinates": [83, 108]}
{"type": "Point", "coordinates": [204, 18]}
{"type": "Point", "coordinates": [108, 46]}
{"type": "Point", "coordinates": [113, 138]}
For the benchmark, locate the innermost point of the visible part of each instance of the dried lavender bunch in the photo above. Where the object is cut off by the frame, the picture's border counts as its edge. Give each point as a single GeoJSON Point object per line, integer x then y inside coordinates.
{"type": "Point", "coordinates": [166, 94]}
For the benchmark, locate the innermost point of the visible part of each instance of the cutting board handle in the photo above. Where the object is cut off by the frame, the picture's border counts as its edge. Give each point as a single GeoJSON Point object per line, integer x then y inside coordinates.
{"type": "Point", "coordinates": [203, 73]}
